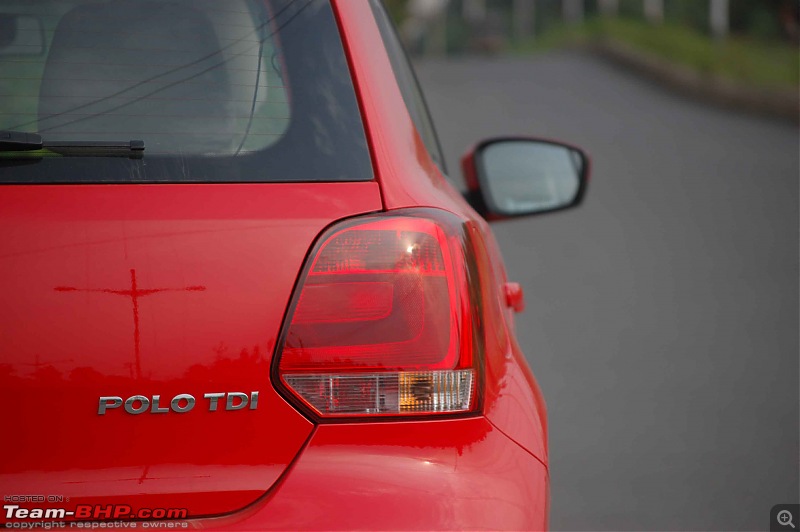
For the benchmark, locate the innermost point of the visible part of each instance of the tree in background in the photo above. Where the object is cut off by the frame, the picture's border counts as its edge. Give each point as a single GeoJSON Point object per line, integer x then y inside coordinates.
{"type": "Point", "coordinates": [654, 11]}
{"type": "Point", "coordinates": [757, 18]}
{"type": "Point", "coordinates": [573, 11]}
{"type": "Point", "coordinates": [719, 18]}
{"type": "Point", "coordinates": [608, 8]}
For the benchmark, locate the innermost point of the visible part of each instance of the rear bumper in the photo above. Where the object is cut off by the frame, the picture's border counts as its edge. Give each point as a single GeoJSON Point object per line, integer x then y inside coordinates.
{"type": "Point", "coordinates": [450, 474]}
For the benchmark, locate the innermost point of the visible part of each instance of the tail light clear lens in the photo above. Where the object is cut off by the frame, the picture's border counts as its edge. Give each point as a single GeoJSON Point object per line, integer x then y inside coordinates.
{"type": "Point", "coordinates": [383, 321]}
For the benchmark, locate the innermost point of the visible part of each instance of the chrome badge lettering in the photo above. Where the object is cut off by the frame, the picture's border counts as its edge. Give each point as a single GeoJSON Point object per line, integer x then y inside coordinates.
{"type": "Point", "coordinates": [180, 404]}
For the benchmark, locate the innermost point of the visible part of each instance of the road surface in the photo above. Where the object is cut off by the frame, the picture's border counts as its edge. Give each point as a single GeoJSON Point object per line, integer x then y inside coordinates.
{"type": "Point", "coordinates": [662, 319]}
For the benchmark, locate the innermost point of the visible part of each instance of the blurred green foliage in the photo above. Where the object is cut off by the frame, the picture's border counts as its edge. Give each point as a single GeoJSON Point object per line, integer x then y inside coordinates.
{"type": "Point", "coordinates": [766, 63]}
{"type": "Point", "coordinates": [758, 50]}
{"type": "Point", "coordinates": [741, 58]}
{"type": "Point", "coordinates": [756, 18]}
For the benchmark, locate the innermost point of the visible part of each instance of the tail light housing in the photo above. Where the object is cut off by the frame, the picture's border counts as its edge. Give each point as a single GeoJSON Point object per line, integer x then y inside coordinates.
{"type": "Point", "coordinates": [384, 321]}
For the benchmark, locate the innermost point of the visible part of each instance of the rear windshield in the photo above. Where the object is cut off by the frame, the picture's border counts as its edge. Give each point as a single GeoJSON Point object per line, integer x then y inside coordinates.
{"type": "Point", "coordinates": [218, 91]}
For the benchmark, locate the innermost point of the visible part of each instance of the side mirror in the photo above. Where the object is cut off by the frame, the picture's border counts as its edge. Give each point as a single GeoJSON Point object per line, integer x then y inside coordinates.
{"type": "Point", "coordinates": [517, 176]}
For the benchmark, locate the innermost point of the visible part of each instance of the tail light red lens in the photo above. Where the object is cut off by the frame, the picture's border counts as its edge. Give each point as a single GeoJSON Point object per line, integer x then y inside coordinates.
{"type": "Point", "coordinates": [383, 323]}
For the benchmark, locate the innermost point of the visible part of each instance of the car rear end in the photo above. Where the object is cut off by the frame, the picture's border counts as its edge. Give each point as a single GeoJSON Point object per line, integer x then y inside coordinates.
{"type": "Point", "coordinates": [233, 323]}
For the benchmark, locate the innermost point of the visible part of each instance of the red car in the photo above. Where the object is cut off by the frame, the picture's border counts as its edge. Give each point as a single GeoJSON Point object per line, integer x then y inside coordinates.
{"type": "Point", "coordinates": [237, 290]}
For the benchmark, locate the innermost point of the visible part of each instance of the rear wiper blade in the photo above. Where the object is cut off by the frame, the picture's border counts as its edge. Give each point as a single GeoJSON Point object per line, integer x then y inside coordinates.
{"type": "Point", "coordinates": [20, 141]}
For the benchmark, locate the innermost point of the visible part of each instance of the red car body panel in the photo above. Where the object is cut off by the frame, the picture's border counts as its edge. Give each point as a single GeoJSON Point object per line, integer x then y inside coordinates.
{"type": "Point", "coordinates": [408, 177]}
{"type": "Point", "coordinates": [244, 245]}
{"type": "Point", "coordinates": [435, 475]}
{"type": "Point", "coordinates": [212, 294]}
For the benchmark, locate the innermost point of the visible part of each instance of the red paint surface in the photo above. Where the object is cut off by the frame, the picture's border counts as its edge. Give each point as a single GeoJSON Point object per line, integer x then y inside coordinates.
{"type": "Point", "coordinates": [116, 290]}
{"type": "Point", "coordinates": [435, 475]}
{"type": "Point", "coordinates": [134, 292]}
{"type": "Point", "coordinates": [408, 178]}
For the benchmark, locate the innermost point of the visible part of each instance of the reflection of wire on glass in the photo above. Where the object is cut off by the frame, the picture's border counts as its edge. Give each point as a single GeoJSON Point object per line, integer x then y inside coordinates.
{"type": "Point", "coordinates": [168, 72]}
{"type": "Point", "coordinates": [173, 84]}
{"type": "Point", "coordinates": [255, 90]}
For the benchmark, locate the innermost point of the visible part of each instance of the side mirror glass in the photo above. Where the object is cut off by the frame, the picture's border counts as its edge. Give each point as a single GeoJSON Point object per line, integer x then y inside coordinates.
{"type": "Point", "coordinates": [518, 177]}
{"type": "Point", "coordinates": [21, 35]}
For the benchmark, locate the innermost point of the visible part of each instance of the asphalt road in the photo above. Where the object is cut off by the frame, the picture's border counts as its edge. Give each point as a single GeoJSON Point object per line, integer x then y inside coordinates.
{"type": "Point", "coordinates": [662, 319]}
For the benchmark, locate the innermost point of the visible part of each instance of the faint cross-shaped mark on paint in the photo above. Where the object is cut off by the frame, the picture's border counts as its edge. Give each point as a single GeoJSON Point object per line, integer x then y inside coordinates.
{"type": "Point", "coordinates": [134, 292]}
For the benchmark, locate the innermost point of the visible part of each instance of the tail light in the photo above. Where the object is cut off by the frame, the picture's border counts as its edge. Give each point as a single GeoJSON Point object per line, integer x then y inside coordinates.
{"type": "Point", "coordinates": [383, 321]}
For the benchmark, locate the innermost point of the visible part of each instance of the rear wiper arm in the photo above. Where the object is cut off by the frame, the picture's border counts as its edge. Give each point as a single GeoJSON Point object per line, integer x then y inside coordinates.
{"type": "Point", "coordinates": [22, 141]}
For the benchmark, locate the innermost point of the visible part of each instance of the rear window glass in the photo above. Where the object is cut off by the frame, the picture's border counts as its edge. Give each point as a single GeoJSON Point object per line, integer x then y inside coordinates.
{"type": "Point", "coordinates": [233, 91]}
